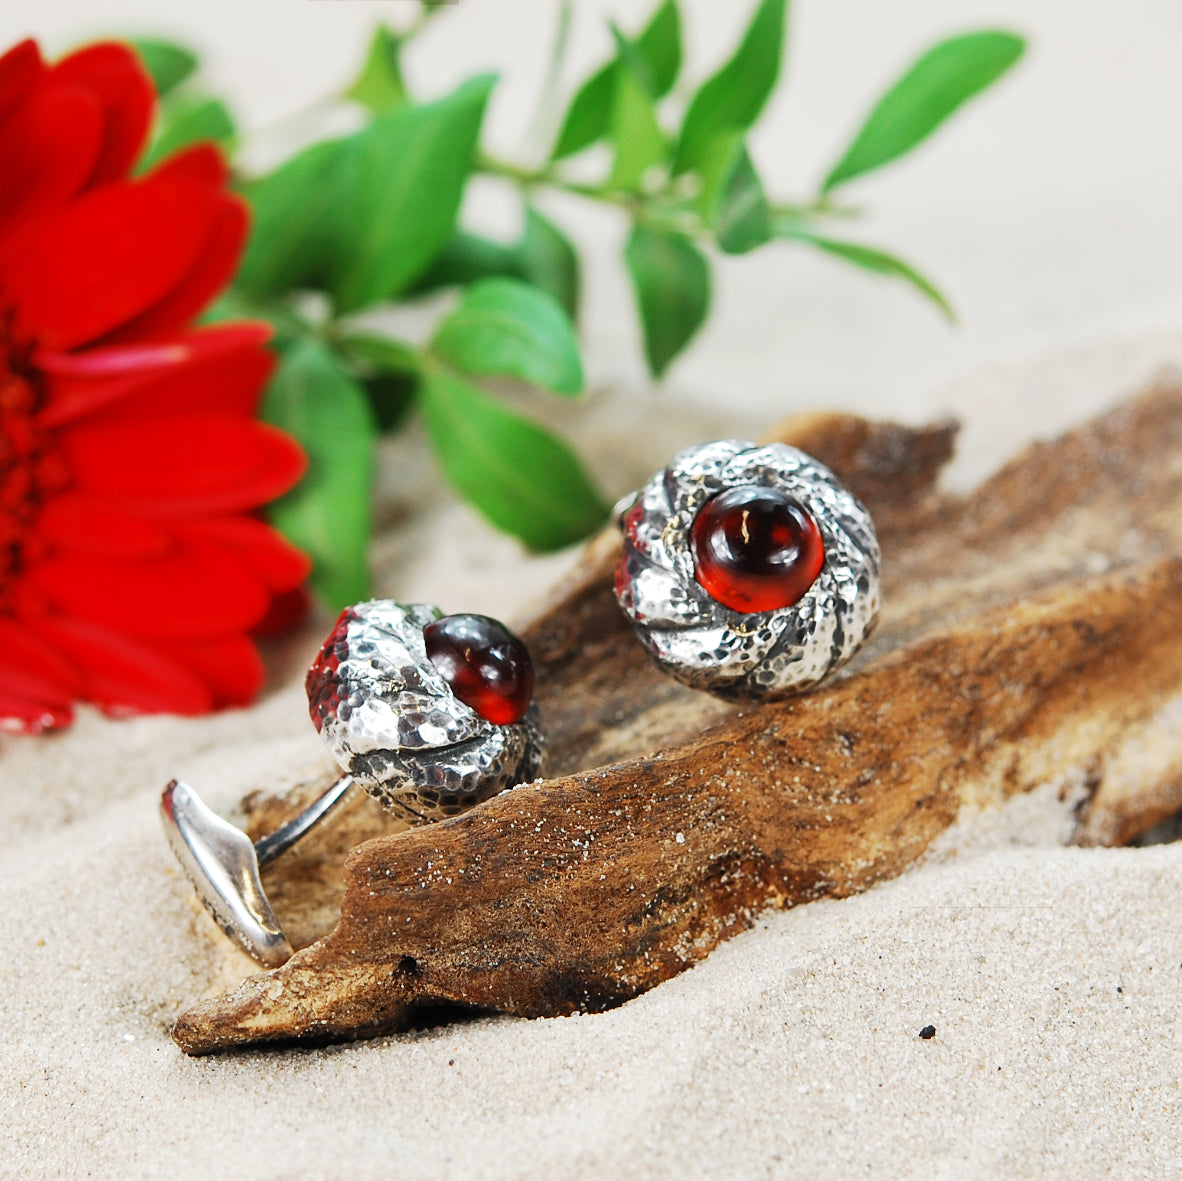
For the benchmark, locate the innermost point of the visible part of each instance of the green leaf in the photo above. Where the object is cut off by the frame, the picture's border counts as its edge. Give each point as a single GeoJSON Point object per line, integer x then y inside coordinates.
{"type": "Point", "coordinates": [733, 98]}
{"type": "Point", "coordinates": [869, 259]}
{"type": "Point", "coordinates": [733, 201]}
{"type": "Point", "coordinates": [465, 258]}
{"type": "Point", "coordinates": [548, 260]}
{"type": "Point", "coordinates": [507, 327]}
{"type": "Point", "coordinates": [936, 85]}
{"type": "Point", "coordinates": [363, 216]}
{"type": "Point", "coordinates": [382, 353]}
{"type": "Point", "coordinates": [636, 134]}
{"type": "Point", "coordinates": [290, 244]}
{"type": "Point", "coordinates": [328, 514]}
{"type": "Point", "coordinates": [236, 304]}
{"type": "Point", "coordinates": [522, 478]}
{"type": "Point", "coordinates": [186, 120]}
{"type": "Point", "coordinates": [543, 256]}
{"type": "Point", "coordinates": [398, 192]}
{"type": "Point", "coordinates": [379, 86]}
{"type": "Point", "coordinates": [660, 46]}
{"type": "Point", "coordinates": [168, 64]}
{"type": "Point", "coordinates": [589, 116]}
{"type": "Point", "coordinates": [672, 283]}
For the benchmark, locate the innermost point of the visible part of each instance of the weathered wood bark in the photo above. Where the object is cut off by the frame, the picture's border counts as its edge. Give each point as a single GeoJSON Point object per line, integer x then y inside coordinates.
{"type": "Point", "coordinates": [1032, 633]}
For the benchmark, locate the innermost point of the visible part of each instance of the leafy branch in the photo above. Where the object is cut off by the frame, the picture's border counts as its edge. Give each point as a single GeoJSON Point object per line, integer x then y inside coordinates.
{"type": "Point", "coordinates": [370, 219]}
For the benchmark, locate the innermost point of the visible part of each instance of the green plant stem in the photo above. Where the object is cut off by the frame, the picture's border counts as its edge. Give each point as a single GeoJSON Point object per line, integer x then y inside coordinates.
{"type": "Point", "coordinates": [825, 206]}
{"type": "Point", "coordinates": [530, 178]}
{"type": "Point", "coordinates": [667, 208]}
{"type": "Point", "coordinates": [545, 117]}
{"type": "Point", "coordinates": [416, 26]}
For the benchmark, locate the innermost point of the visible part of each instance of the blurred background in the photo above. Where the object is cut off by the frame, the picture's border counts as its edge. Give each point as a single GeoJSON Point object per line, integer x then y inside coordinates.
{"type": "Point", "coordinates": [1047, 210]}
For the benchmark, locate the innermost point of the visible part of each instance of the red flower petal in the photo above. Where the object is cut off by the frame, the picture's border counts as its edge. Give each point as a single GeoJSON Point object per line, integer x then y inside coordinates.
{"type": "Point", "coordinates": [24, 656]}
{"type": "Point", "coordinates": [122, 85]}
{"type": "Point", "coordinates": [202, 163]}
{"type": "Point", "coordinates": [231, 384]}
{"type": "Point", "coordinates": [216, 370]}
{"type": "Point", "coordinates": [26, 683]}
{"type": "Point", "coordinates": [123, 674]}
{"type": "Point", "coordinates": [28, 716]}
{"type": "Point", "coordinates": [106, 258]}
{"type": "Point", "coordinates": [127, 593]}
{"type": "Point", "coordinates": [48, 146]}
{"type": "Point", "coordinates": [21, 68]}
{"type": "Point", "coordinates": [191, 592]}
{"type": "Point", "coordinates": [74, 524]}
{"type": "Point", "coordinates": [213, 269]}
{"type": "Point", "coordinates": [231, 668]}
{"type": "Point", "coordinates": [95, 364]}
{"type": "Point", "coordinates": [184, 463]}
{"type": "Point", "coordinates": [288, 608]}
{"type": "Point", "coordinates": [278, 563]}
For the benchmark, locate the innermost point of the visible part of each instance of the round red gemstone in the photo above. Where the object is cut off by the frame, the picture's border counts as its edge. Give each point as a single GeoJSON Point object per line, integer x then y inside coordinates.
{"type": "Point", "coordinates": [485, 664]}
{"type": "Point", "coordinates": [756, 549]}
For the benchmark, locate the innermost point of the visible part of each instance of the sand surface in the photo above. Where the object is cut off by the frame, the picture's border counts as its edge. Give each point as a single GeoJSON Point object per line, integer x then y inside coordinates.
{"type": "Point", "coordinates": [1052, 974]}
{"type": "Point", "coordinates": [1053, 977]}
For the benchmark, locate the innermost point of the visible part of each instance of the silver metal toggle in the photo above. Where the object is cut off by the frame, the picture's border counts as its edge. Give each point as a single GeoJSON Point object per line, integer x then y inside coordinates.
{"type": "Point", "coordinates": [223, 864]}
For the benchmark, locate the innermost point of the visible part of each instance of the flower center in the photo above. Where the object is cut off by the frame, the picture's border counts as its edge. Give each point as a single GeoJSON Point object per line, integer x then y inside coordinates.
{"type": "Point", "coordinates": [31, 470]}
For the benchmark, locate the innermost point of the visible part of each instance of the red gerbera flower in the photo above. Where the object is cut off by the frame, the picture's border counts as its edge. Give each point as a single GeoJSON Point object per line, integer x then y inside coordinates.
{"type": "Point", "coordinates": [131, 566]}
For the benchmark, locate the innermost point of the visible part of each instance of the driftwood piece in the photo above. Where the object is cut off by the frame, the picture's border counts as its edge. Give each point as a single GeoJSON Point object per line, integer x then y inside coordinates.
{"type": "Point", "coordinates": [1032, 633]}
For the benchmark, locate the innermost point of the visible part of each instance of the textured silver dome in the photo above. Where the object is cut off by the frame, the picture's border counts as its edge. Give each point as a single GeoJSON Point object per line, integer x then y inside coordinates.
{"type": "Point", "coordinates": [393, 723]}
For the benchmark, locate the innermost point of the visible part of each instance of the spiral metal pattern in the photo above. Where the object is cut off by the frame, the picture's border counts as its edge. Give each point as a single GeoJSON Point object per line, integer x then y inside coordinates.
{"type": "Point", "coordinates": [393, 723]}
{"type": "Point", "coordinates": [763, 655]}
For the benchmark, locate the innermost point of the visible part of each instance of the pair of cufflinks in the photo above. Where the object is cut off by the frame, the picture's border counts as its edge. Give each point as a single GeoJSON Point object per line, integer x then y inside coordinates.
{"type": "Point", "coordinates": [747, 571]}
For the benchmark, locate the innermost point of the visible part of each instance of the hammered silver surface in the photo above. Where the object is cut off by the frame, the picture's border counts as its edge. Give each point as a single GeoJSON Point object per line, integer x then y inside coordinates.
{"type": "Point", "coordinates": [393, 723]}
{"type": "Point", "coordinates": [762, 655]}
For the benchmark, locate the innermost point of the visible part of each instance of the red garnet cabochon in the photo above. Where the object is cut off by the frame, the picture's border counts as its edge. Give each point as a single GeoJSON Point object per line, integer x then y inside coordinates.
{"type": "Point", "coordinates": [486, 665]}
{"type": "Point", "coordinates": [756, 549]}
